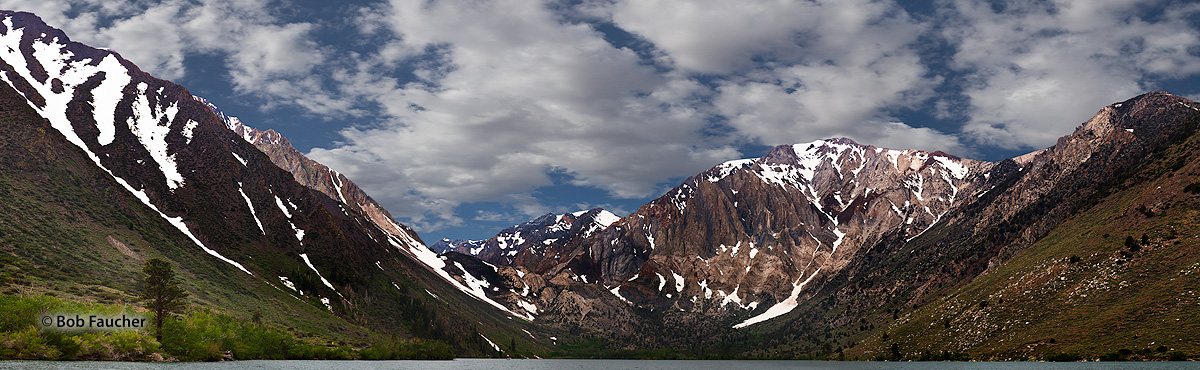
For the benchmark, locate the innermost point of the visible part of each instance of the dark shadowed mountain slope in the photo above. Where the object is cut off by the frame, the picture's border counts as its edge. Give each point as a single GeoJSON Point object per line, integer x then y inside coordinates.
{"type": "Point", "coordinates": [314, 175]}
{"type": "Point", "coordinates": [353, 199]}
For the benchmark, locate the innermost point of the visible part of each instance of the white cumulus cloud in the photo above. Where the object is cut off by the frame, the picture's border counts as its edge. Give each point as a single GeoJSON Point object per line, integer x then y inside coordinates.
{"type": "Point", "coordinates": [796, 71]}
{"type": "Point", "coordinates": [1038, 69]}
{"type": "Point", "coordinates": [446, 103]}
{"type": "Point", "coordinates": [519, 93]}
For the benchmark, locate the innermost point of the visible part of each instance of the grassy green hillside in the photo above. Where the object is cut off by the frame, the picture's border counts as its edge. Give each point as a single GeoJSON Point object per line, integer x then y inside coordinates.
{"type": "Point", "coordinates": [68, 230]}
{"type": "Point", "coordinates": [197, 335]}
{"type": "Point", "coordinates": [1118, 280]}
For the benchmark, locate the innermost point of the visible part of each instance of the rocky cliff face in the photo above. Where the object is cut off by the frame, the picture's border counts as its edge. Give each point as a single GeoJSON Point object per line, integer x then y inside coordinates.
{"type": "Point", "coordinates": [742, 240]}
{"type": "Point", "coordinates": [749, 234]}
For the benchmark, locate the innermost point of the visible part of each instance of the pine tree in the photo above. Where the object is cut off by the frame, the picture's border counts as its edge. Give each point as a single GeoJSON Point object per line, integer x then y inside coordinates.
{"type": "Point", "coordinates": [162, 294]}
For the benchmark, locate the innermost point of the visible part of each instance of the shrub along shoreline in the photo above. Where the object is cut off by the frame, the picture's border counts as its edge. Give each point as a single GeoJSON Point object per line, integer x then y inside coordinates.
{"type": "Point", "coordinates": [196, 335]}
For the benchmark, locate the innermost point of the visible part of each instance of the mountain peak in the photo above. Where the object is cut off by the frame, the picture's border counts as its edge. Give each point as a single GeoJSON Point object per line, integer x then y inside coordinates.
{"type": "Point", "coordinates": [1148, 103]}
{"type": "Point", "coordinates": [1145, 118]}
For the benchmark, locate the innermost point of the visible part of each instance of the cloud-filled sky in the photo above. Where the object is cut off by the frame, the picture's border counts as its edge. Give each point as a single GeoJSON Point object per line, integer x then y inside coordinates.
{"type": "Point", "coordinates": [464, 117]}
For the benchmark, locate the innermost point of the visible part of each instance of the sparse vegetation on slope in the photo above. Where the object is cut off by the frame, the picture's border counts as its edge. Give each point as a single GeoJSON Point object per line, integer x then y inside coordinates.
{"type": "Point", "coordinates": [1116, 281]}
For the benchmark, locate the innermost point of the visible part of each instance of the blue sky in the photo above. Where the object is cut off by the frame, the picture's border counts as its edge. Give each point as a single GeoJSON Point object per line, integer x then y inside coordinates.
{"type": "Point", "coordinates": [464, 117]}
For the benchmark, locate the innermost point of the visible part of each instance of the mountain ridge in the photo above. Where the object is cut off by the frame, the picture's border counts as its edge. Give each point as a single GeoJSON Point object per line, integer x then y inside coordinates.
{"type": "Point", "coordinates": [282, 240]}
{"type": "Point", "coordinates": [627, 261]}
{"type": "Point", "coordinates": [1055, 184]}
{"type": "Point", "coordinates": [809, 247]}
{"type": "Point", "coordinates": [624, 272]}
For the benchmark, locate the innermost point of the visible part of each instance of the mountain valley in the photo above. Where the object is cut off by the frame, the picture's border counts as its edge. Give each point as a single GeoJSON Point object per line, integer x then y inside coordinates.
{"type": "Point", "coordinates": [830, 249]}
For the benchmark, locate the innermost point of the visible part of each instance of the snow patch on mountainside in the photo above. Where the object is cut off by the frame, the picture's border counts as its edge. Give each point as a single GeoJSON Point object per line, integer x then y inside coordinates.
{"type": "Point", "coordinates": [494, 346]}
{"type": "Point", "coordinates": [279, 202]}
{"type": "Point", "coordinates": [289, 284]}
{"type": "Point", "coordinates": [533, 309]}
{"type": "Point", "coordinates": [151, 125]}
{"type": "Point", "coordinates": [55, 62]}
{"type": "Point", "coordinates": [106, 97]}
{"type": "Point", "coordinates": [605, 218]}
{"type": "Point", "coordinates": [337, 184]}
{"type": "Point", "coordinates": [617, 292]}
{"type": "Point", "coordinates": [476, 285]}
{"type": "Point", "coordinates": [239, 158]}
{"type": "Point", "coordinates": [725, 169]}
{"type": "Point", "coordinates": [251, 206]}
{"type": "Point", "coordinates": [513, 240]}
{"type": "Point", "coordinates": [426, 256]}
{"type": "Point", "coordinates": [957, 169]}
{"type": "Point", "coordinates": [304, 256]}
{"type": "Point", "coordinates": [600, 222]}
{"type": "Point", "coordinates": [298, 231]}
{"type": "Point", "coordinates": [780, 308]}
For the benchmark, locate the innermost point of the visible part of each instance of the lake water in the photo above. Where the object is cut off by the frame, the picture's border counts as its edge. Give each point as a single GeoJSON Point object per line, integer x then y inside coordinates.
{"type": "Point", "coordinates": [490, 364]}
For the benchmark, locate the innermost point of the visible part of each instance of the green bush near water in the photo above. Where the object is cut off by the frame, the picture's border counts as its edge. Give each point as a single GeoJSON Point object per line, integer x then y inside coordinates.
{"type": "Point", "coordinates": [21, 339]}
{"type": "Point", "coordinates": [198, 335]}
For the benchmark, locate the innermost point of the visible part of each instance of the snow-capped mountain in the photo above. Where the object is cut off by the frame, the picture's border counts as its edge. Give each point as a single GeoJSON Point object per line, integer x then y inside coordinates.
{"type": "Point", "coordinates": [751, 240]}
{"type": "Point", "coordinates": [526, 243]}
{"type": "Point", "coordinates": [464, 246]}
{"type": "Point", "coordinates": [1018, 226]}
{"type": "Point", "coordinates": [162, 147]}
{"type": "Point", "coordinates": [129, 124]}
{"type": "Point", "coordinates": [509, 264]}
{"type": "Point", "coordinates": [250, 207]}
{"type": "Point", "coordinates": [751, 234]}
